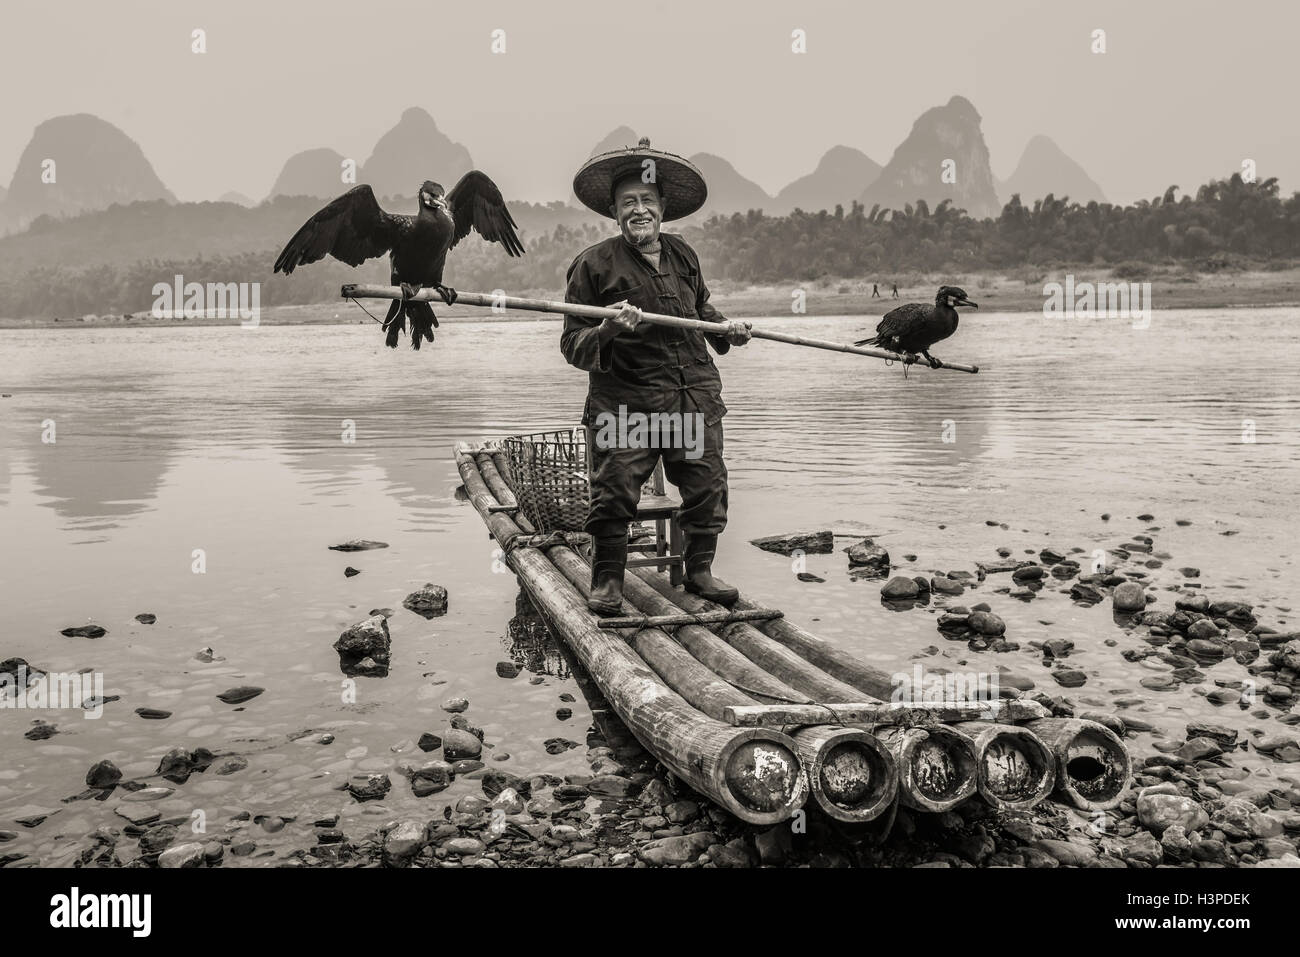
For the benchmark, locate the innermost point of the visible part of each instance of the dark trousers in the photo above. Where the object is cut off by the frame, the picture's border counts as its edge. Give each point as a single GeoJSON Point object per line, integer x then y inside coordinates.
{"type": "Point", "coordinates": [618, 474]}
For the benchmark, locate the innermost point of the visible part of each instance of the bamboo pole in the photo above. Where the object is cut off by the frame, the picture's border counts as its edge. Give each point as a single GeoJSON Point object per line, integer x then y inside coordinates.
{"type": "Point", "coordinates": [851, 776]}
{"type": "Point", "coordinates": [755, 774]}
{"type": "Point", "coordinates": [936, 766]}
{"type": "Point", "coordinates": [366, 291]}
{"type": "Point", "coordinates": [701, 688]}
{"type": "Point", "coordinates": [1093, 767]}
{"type": "Point", "coordinates": [1015, 769]}
{"type": "Point", "coordinates": [683, 618]}
{"type": "Point", "coordinates": [770, 655]}
{"type": "Point", "coordinates": [879, 713]}
{"type": "Point", "coordinates": [714, 653]}
{"type": "Point", "coordinates": [873, 681]}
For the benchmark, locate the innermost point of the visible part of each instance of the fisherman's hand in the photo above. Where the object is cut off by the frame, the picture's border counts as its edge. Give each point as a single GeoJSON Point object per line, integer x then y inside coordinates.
{"type": "Point", "coordinates": [738, 332]}
{"type": "Point", "coordinates": [628, 318]}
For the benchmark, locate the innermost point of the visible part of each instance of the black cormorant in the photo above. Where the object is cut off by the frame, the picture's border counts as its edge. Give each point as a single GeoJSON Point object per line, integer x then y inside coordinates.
{"type": "Point", "coordinates": [353, 229]}
{"type": "Point", "coordinates": [916, 326]}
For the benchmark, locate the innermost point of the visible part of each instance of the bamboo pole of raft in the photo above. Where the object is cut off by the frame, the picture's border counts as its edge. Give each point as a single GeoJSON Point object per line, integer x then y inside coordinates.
{"type": "Point", "coordinates": [706, 647]}
{"type": "Point", "coordinates": [936, 765]}
{"type": "Point", "coordinates": [756, 774]}
{"type": "Point", "coordinates": [1015, 770]}
{"type": "Point", "coordinates": [868, 679]}
{"type": "Point", "coordinates": [770, 655]}
{"type": "Point", "coordinates": [701, 688]}
{"type": "Point", "coordinates": [851, 776]}
{"type": "Point", "coordinates": [683, 618]}
{"type": "Point", "coordinates": [1092, 765]}
{"type": "Point", "coordinates": [366, 291]}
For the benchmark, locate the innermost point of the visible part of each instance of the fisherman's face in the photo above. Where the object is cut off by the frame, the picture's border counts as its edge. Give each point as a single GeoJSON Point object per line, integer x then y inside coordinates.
{"type": "Point", "coordinates": [639, 211]}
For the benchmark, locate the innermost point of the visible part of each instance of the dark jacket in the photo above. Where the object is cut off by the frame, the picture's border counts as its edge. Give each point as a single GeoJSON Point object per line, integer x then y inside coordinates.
{"type": "Point", "coordinates": [654, 368]}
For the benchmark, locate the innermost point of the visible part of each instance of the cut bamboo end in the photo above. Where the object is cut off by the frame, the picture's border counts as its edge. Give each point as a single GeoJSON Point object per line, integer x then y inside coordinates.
{"type": "Point", "coordinates": [937, 767]}
{"type": "Point", "coordinates": [1015, 770]}
{"type": "Point", "coordinates": [1093, 767]}
{"type": "Point", "coordinates": [851, 776]}
{"type": "Point", "coordinates": [762, 776]}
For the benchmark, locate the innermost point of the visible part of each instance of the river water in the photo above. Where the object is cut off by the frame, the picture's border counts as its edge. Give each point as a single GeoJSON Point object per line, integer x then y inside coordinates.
{"type": "Point", "coordinates": [199, 474]}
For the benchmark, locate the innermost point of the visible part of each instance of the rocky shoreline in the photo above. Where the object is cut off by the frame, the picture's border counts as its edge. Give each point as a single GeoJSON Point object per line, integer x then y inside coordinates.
{"type": "Point", "coordinates": [1193, 803]}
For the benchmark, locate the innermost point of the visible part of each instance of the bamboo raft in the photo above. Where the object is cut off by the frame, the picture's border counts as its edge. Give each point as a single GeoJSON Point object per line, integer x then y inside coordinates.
{"type": "Point", "coordinates": [762, 716]}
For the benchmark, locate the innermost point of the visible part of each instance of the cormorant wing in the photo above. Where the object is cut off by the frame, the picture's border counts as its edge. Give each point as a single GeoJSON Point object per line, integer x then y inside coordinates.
{"type": "Point", "coordinates": [352, 228]}
{"type": "Point", "coordinates": [900, 321]}
{"type": "Point", "coordinates": [476, 202]}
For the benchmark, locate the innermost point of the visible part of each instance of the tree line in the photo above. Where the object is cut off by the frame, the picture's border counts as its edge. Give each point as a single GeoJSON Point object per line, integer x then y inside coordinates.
{"type": "Point", "coordinates": [1227, 224]}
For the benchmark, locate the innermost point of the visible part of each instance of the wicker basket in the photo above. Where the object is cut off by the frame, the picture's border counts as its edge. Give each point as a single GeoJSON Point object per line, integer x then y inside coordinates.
{"type": "Point", "coordinates": [548, 474]}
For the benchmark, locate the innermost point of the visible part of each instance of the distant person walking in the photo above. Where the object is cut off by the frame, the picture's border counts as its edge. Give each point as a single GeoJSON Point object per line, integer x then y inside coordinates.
{"type": "Point", "coordinates": [875, 291]}
{"type": "Point", "coordinates": [895, 285]}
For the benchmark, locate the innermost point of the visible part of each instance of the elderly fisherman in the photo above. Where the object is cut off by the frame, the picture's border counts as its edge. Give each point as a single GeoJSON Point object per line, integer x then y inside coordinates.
{"type": "Point", "coordinates": [638, 369]}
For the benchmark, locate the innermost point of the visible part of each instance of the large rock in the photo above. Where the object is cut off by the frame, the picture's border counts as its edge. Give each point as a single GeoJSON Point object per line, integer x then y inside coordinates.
{"type": "Point", "coordinates": [899, 588]}
{"type": "Point", "coordinates": [986, 623]}
{"type": "Point", "coordinates": [1143, 847]}
{"type": "Point", "coordinates": [1067, 853]}
{"type": "Point", "coordinates": [105, 774]}
{"type": "Point", "coordinates": [810, 543]}
{"type": "Point", "coordinates": [670, 851]}
{"type": "Point", "coordinates": [868, 556]}
{"type": "Point", "coordinates": [458, 745]}
{"type": "Point", "coordinates": [496, 782]}
{"type": "Point", "coordinates": [366, 639]}
{"type": "Point", "coordinates": [430, 601]}
{"type": "Point", "coordinates": [1288, 656]}
{"type": "Point", "coordinates": [1128, 597]}
{"type": "Point", "coordinates": [1241, 819]}
{"type": "Point", "coordinates": [1158, 811]}
{"type": "Point", "coordinates": [406, 840]}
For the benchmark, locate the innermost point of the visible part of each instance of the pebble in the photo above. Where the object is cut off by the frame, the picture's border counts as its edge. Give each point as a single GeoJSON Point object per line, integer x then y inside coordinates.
{"type": "Point", "coordinates": [464, 846]}
{"type": "Point", "coordinates": [85, 631]}
{"type": "Point", "coordinates": [358, 545]}
{"type": "Point", "coordinates": [1069, 677]}
{"type": "Point", "coordinates": [182, 855]}
{"type": "Point", "coordinates": [369, 787]}
{"type": "Point", "coordinates": [241, 694]}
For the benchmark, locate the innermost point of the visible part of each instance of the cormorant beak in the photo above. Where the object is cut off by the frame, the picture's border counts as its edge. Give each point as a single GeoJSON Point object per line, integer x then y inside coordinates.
{"type": "Point", "coordinates": [967, 302]}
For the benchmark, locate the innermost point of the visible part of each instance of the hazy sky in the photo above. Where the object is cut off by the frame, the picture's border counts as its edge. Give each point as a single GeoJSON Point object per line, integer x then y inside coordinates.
{"type": "Point", "coordinates": [1185, 91]}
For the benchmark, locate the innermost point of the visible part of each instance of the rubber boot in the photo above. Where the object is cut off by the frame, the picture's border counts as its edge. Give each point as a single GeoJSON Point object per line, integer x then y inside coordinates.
{"type": "Point", "coordinates": [698, 560]}
{"type": "Point", "coordinates": [608, 561]}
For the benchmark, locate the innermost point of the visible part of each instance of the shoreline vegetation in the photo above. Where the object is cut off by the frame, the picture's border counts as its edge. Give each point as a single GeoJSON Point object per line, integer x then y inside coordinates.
{"type": "Point", "coordinates": [1020, 291]}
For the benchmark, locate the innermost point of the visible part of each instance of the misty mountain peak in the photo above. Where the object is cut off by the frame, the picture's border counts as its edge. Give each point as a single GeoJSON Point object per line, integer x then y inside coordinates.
{"type": "Point", "coordinates": [411, 152]}
{"type": "Point", "coordinates": [1045, 168]}
{"type": "Point", "coordinates": [944, 157]}
{"type": "Point", "coordinates": [95, 164]}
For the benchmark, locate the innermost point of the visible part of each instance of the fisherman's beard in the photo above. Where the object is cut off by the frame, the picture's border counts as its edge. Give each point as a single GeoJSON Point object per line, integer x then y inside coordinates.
{"type": "Point", "coordinates": [641, 234]}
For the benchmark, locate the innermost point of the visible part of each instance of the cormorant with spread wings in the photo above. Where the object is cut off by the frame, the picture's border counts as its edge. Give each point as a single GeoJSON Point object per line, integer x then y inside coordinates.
{"type": "Point", "coordinates": [353, 229]}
